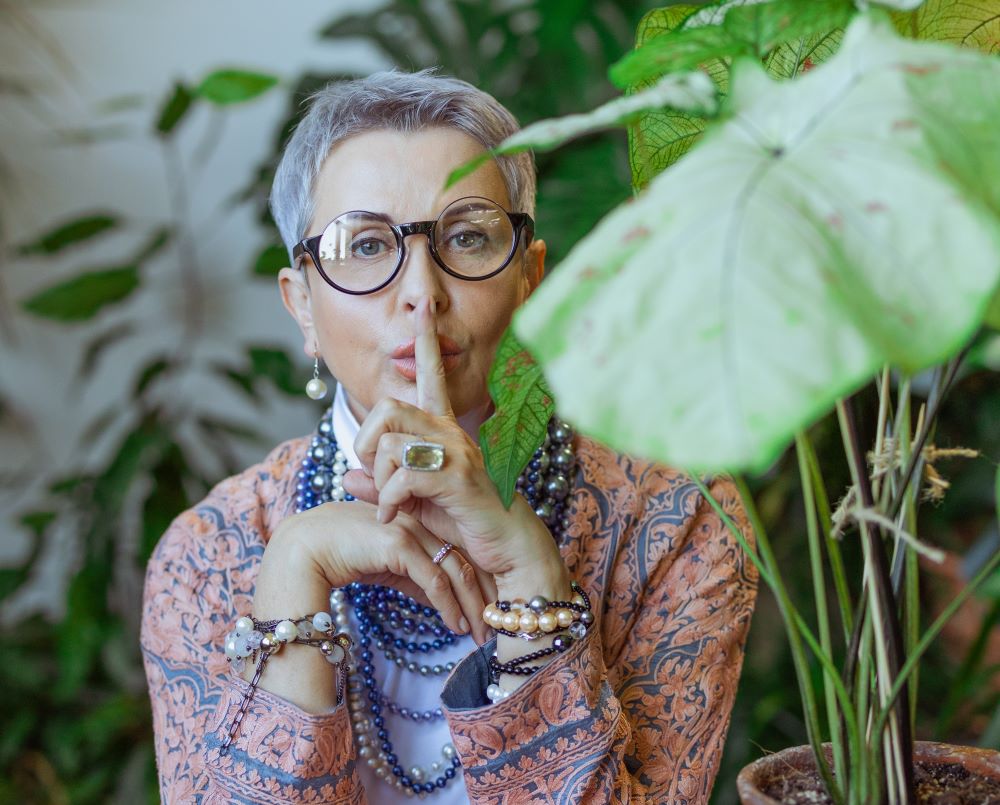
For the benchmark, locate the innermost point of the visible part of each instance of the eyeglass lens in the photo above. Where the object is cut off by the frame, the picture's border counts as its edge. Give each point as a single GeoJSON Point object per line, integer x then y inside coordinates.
{"type": "Point", "coordinates": [359, 251]}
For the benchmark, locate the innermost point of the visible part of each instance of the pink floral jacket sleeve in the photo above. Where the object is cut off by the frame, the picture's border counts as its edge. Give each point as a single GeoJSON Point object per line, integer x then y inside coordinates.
{"type": "Point", "coordinates": [636, 712]}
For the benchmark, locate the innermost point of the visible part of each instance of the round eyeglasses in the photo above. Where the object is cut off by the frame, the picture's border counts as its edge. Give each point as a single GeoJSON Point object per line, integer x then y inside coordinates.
{"type": "Point", "coordinates": [361, 252]}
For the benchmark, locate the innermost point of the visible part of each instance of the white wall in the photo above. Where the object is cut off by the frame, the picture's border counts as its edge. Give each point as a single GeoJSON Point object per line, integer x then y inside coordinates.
{"type": "Point", "coordinates": [105, 65]}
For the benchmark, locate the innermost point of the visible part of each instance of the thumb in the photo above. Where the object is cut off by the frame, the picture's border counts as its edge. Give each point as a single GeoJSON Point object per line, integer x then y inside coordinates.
{"type": "Point", "coordinates": [361, 485]}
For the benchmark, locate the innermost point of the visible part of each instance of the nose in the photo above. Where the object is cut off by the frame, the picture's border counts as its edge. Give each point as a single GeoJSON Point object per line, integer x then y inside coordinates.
{"type": "Point", "coordinates": [420, 276]}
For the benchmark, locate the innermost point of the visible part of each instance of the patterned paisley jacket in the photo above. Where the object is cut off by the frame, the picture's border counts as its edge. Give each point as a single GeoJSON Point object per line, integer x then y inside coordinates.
{"type": "Point", "coordinates": [636, 712]}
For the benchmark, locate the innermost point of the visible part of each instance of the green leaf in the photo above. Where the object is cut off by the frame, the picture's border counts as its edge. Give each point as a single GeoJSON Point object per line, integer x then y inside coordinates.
{"type": "Point", "coordinates": [67, 485]}
{"type": "Point", "coordinates": [146, 439]}
{"type": "Point", "coordinates": [992, 315]}
{"type": "Point", "coordinates": [660, 138]}
{"type": "Point", "coordinates": [690, 92]}
{"type": "Point", "coordinates": [971, 23]}
{"type": "Point", "coordinates": [852, 232]}
{"type": "Point", "coordinates": [243, 380]}
{"type": "Point", "coordinates": [154, 244]}
{"type": "Point", "coordinates": [226, 87]}
{"type": "Point", "coordinates": [17, 728]}
{"type": "Point", "coordinates": [274, 364]}
{"type": "Point", "coordinates": [751, 29]}
{"type": "Point", "coordinates": [166, 498]}
{"type": "Point", "coordinates": [174, 109]}
{"type": "Point", "coordinates": [96, 347]}
{"type": "Point", "coordinates": [151, 372]}
{"type": "Point", "coordinates": [82, 297]}
{"type": "Point", "coordinates": [801, 55]}
{"type": "Point", "coordinates": [270, 261]}
{"type": "Point", "coordinates": [11, 578]}
{"type": "Point", "coordinates": [70, 233]}
{"type": "Point", "coordinates": [80, 635]}
{"type": "Point", "coordinates": [677, 52]}
{"type": "Point", "coordinates": [524, 406]}
{"type": "Point", "coordinates": [38, 522]}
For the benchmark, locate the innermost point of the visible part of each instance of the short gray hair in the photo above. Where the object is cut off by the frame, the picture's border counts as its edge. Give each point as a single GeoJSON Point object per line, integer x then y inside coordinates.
{"type": "Point", "coordinates": [394, 100]}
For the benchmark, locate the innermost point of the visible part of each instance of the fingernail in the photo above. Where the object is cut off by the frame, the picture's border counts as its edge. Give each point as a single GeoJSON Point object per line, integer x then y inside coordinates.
{"type": "Point", "coordinates": [380, 515]}
{"type": "Point", "coordinates": [463, 624]}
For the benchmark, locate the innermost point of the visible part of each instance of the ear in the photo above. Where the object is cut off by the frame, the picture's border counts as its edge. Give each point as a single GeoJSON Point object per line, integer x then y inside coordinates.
{"type": "Point", "coordinates": [298, 301]}
{"type": "Point", "coordinates": [534, 264]}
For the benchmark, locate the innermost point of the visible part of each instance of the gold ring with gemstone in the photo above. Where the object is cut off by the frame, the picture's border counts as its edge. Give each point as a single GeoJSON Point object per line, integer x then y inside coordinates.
{"type": "Point", "coordinates": [423, 456]}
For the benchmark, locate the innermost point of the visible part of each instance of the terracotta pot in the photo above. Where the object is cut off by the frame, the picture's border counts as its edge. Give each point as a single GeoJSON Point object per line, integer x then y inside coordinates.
{"type": "Point", "coordinates": [985, 762]}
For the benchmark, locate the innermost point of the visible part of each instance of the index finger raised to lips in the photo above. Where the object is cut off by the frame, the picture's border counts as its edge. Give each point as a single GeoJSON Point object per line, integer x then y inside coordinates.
{"type": "Point", "coordinates": [432, 387]}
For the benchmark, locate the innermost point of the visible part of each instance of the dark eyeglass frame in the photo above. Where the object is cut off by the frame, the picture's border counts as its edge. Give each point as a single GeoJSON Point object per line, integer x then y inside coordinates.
{"type": "Point", "coordinates": [519, 221]}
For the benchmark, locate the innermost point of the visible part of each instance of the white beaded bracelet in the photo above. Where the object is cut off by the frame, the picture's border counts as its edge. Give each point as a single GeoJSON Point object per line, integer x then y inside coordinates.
{"type": "Point", "coordinates": [251, 638]}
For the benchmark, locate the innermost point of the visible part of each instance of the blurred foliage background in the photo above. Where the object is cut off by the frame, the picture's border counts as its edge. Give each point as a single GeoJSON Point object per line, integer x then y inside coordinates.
{"type": "Point", "coordinates": [76, 725]}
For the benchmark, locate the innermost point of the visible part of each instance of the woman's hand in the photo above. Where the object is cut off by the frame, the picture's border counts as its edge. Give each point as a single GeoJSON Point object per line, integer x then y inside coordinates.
{"type": "Point", "coordinates": [336, 543]}
{"type": "Point", "coordinates": [459, 503]}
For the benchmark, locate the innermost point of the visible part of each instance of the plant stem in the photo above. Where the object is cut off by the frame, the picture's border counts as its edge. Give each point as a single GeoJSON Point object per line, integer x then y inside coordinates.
{"type": "Point", "coordinates": [832, 545]}
{"type": "Point", "coordinates": [862, 685]}
{"type": "Point", "coordinates": [888, 637]}
{"type": "Point", "coordinates": [932, 632]}
{"type": "Point", "coordinates": [822, 611]}
{"type": "Point", "coordinates": [795, 627]}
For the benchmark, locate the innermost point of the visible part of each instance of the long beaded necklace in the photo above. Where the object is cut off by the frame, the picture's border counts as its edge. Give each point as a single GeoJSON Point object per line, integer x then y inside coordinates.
{"type": "Point", "coordinates": [398, 626]}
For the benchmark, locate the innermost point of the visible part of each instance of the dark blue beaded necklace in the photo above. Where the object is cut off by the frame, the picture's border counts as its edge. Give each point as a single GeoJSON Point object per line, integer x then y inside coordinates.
{"type": "Point", "coordinates": [399, 626]}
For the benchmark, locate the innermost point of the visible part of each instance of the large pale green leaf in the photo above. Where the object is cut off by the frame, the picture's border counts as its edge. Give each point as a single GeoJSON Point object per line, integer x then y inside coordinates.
{"type": "Point", "coordinates": [687, 91]}
{"type": "Point", "coordinates": [827, 227]}
{"type": "Point", "coordinates": [992, 317]}
{"type": "Point", "coordinates": [971, 23]}
{"type": "Point", "coordinates": [660, 137]}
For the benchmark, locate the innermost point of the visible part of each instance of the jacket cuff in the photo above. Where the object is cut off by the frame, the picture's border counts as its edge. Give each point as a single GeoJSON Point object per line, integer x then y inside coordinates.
{"type": "Point", "coordinates": [280, 752]}
{"type": "Point", "coordinates": [568, 695]}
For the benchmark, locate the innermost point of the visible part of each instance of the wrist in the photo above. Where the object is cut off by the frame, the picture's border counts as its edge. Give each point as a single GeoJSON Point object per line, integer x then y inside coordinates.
{"type": "Point", "coordinates": [538, 568]}
{"type": "Point", "coordinates": [548, 578]}
{"type": "Point", "coordinates": [289, 583]}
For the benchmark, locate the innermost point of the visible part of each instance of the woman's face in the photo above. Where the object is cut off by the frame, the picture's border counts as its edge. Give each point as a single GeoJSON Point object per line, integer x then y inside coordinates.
{"type": "Point", "coordinates": [360, 337]}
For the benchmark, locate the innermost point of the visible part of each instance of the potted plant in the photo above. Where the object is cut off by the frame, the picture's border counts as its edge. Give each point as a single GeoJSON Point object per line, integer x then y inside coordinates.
{"type": "Point", "coordinates": [836, 223]}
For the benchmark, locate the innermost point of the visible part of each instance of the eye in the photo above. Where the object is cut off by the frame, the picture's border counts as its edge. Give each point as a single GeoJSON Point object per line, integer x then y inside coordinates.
{"type": "Point", "coordinates": [467, 239]}
{"type": "Point", "coordinates": [368, 247]}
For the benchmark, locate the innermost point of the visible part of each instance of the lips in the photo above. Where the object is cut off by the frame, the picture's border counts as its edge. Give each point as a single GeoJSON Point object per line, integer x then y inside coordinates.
{"type": "Point", "coordinates": [405, 361]}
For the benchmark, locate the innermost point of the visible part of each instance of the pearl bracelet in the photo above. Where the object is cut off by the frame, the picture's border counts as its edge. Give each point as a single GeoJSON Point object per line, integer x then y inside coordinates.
{"type": "Point", "coordinates": [257, 640]}
{"type": "Point", "coordinates": [539, 617]}
{"type": "Point", "coordinates": [532, 620]}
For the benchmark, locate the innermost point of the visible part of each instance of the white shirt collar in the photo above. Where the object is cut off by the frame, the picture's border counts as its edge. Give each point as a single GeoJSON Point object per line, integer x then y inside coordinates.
{"type": "Point", "coordinates": [345, 428]}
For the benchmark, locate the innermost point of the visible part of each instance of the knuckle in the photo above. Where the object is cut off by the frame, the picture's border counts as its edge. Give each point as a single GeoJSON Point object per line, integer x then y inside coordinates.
{"type": "Point", "coordinates": [439, 581]}
{"type": "Point", "coordinates": [385, 407]}
{"type": "Point", "coordinates": [468, 575]}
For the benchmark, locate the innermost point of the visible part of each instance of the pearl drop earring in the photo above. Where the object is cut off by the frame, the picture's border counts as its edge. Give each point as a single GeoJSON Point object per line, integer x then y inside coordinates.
{"type": "Point", "coordinates": [316, 388]}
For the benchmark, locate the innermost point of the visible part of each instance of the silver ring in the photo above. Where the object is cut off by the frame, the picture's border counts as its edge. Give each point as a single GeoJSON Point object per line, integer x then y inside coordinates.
{"type": "Point", "coordinates": [441, 554]}
{"type": "Point", "coordinates": [423, 456]}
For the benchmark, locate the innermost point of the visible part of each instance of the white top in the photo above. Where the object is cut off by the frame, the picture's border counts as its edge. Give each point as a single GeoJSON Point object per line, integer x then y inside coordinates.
{"type": "Point", "coordinates": [414, 744]}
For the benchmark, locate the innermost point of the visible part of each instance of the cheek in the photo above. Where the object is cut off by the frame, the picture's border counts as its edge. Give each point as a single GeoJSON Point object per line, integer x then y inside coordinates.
{"type": "Point", "coordinates": [493, 316]}
{"type": "Point", "coordinates": [345, 331]}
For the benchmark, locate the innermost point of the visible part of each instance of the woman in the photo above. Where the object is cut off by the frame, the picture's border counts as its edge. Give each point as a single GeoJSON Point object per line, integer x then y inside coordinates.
{"type": "Point", "coordinates": [616, 690]}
